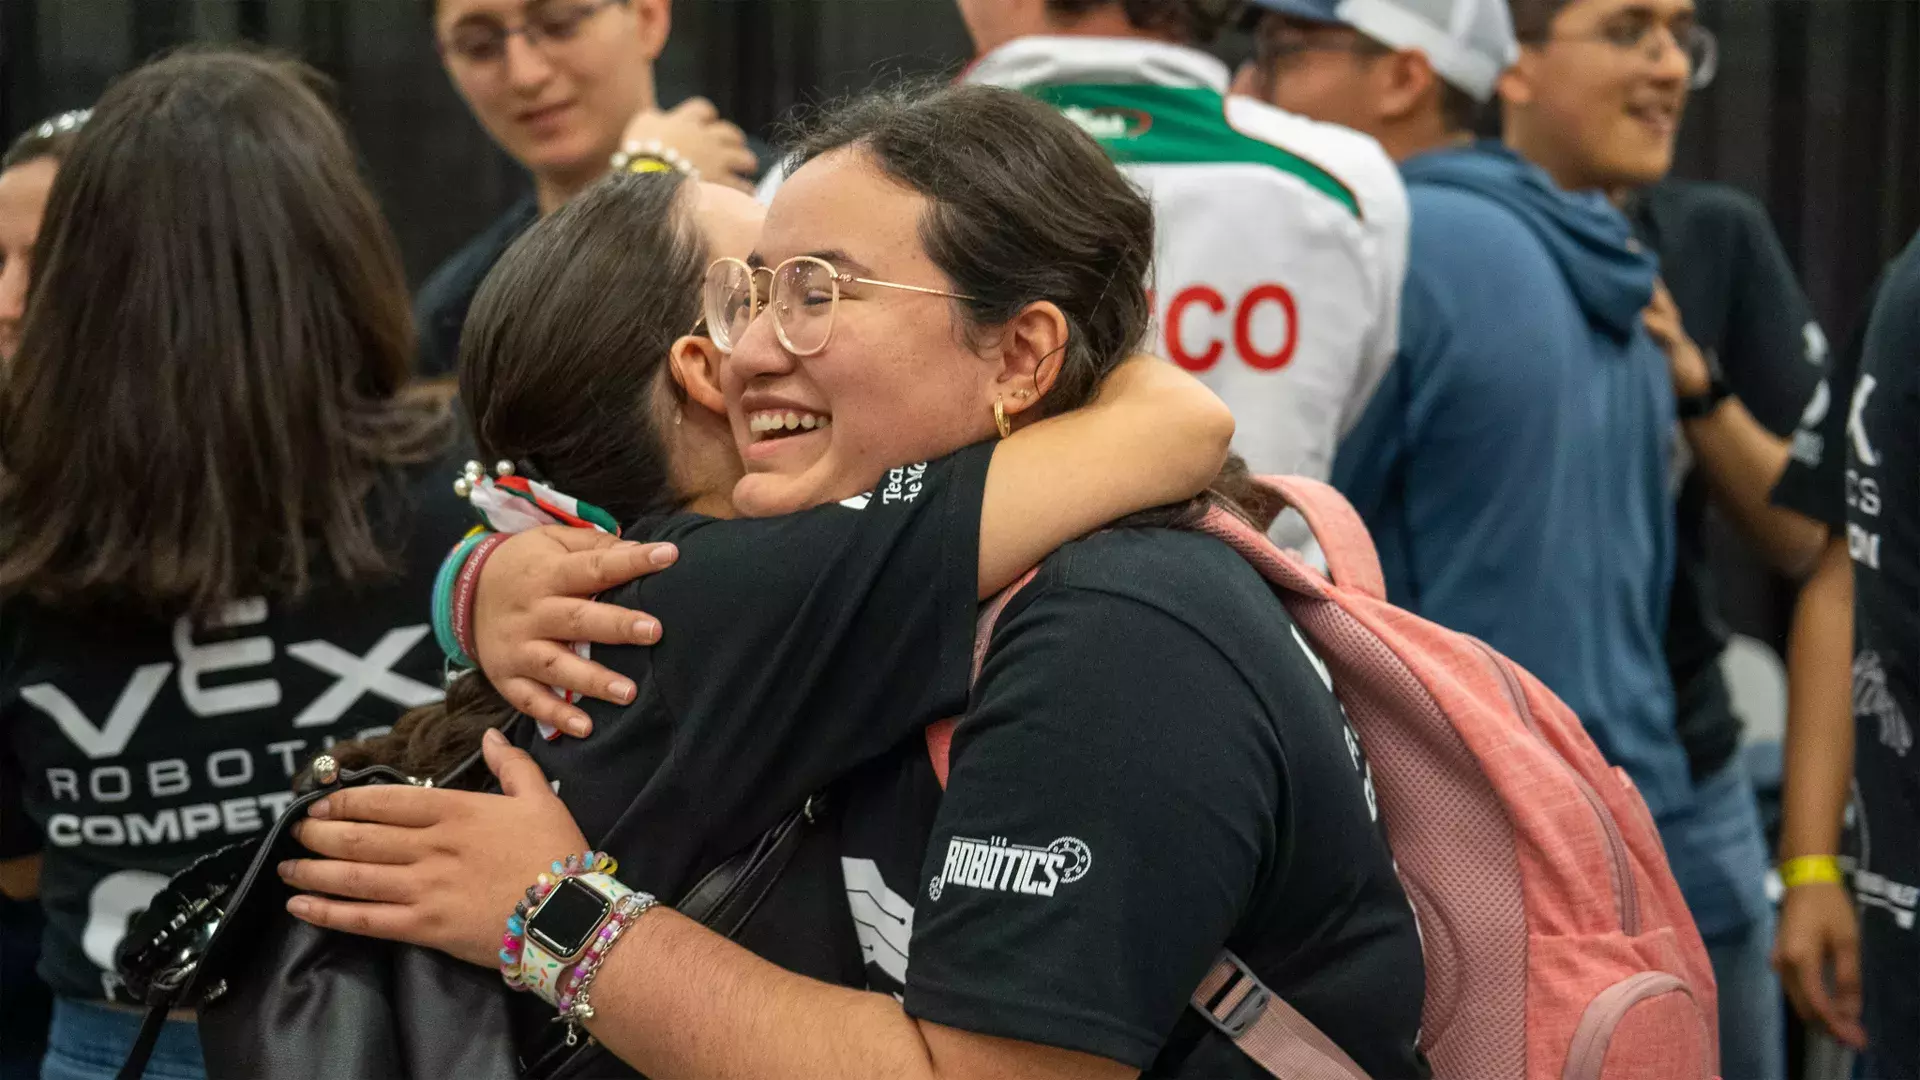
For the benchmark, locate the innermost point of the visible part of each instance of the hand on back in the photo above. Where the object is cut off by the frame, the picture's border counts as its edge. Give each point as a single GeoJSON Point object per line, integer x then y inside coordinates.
{"type": "Point", "coordinates": [531, 605]}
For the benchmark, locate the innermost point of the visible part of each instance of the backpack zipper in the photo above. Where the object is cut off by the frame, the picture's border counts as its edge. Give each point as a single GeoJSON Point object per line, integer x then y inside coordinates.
{"type": "Point", "coordinates": [1618, 864]}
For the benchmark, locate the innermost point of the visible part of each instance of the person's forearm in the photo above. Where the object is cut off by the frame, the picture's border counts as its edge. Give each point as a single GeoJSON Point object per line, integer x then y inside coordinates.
{"type": "Point", "coordinates": [1154, 435]}
{"type": "Point", "coordinates": [1741, 461]}
{"type": "Point", "coordinates": [675, 999]}
{"type": "Point", "coordinates": [1819, 741]}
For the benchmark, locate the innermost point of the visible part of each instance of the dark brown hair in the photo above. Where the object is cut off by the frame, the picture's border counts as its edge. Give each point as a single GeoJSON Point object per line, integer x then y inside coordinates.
{"type": "Point", "coordinates": [51, 138]}
{"type": "Point", "coordinates": [561, 360]}
{"type": "Point", "coordinates": [1533, 19]}
{"type": "Point", "coordinates": [1196, 22]}
{"type": "Point", "coordinates": [216, 363]}
{"type": "Point", "coordinates": [1024, 207]}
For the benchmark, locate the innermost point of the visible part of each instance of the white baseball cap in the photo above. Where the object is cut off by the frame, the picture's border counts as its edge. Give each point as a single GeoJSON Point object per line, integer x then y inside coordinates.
{"type": "Point", "coordinates": [1468, 42]}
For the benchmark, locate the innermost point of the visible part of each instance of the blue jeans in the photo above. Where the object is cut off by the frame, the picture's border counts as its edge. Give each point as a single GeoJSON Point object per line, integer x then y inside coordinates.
{"type": "Point", "coordinates": [89, 1041]}
{"type": "Point", "coordinates": [1719, 856]}
{"type": "Point", "coordinates": [1752, 1027]}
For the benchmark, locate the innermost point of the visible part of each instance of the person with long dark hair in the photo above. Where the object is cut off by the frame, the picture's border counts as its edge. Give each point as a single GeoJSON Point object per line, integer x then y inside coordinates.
{"type": "Point", "coordinates": [26, 175]}
{"type": "Point", "coordinates": [1152, 762]}
{"type": "Point", "coordinates": [215, 550]}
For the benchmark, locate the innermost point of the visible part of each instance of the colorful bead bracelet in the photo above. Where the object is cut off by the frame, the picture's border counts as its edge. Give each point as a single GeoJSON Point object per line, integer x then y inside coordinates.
{"type": "Point", "coordinates": [513, 945]}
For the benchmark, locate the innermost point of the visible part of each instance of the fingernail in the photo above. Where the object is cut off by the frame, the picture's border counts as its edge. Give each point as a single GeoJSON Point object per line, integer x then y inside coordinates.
{"type": "Point", "coordinates": [318, 810]}
{"type": "Point", "coordinates": [299, 907]}
{"type": "Point", "coordinates": [621, 691]}
{"type": "Point", "coordinates": [646, 631]}
{"type": "Point", "coordinates": [664, 555]}
{"type": "Point", "coordinates": [285, 869]}
{"type": "Point", "coordinates": [578, 726]}
{"type": "Point", "coordinates": [493, 737]}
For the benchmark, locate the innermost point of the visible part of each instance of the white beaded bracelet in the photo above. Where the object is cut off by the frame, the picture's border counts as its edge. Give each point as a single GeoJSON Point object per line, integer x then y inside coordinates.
{"type": "Point", "coordinates": [652, 150]}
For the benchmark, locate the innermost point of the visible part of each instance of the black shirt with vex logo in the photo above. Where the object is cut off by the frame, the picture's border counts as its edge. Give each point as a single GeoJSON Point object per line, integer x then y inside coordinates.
{"type": "Point", "coordinates": [131, 745]}
{"type": "Point", "coordinates": [1153, 768]}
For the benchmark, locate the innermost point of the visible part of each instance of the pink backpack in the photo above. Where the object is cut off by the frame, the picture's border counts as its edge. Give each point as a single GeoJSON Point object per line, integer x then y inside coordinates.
{"type": "Point", "coordinates": [1557, 944]}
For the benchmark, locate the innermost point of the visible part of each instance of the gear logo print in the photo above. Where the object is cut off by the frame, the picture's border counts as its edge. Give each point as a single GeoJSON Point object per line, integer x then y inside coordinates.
{"type": "Point", "coordinates": [1079, 858]}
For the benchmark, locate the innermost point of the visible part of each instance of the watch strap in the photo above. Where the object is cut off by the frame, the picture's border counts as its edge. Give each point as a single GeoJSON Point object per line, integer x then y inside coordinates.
{"type": "Point", "coordinates": [1695, 406]}
{"type": "Point", "coordinates": [541, 971]}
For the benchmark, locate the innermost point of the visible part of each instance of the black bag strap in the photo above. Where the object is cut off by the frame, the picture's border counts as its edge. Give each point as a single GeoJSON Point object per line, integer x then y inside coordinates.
{"type": "Point", "coordinates": [150, 1028]}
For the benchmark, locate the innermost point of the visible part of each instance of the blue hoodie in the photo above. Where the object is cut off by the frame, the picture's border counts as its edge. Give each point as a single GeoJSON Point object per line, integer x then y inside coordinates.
{"type": "Point", "coordinates": [1513, 465]}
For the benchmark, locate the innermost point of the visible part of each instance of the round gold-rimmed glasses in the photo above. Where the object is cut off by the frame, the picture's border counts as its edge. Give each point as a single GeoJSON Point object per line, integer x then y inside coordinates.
{"type": "Point", "coordinates": [803, 293]}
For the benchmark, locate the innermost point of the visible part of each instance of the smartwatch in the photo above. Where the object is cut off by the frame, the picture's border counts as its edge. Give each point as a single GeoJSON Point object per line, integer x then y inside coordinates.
{"type": "Point", "coordinates": [569, 916]}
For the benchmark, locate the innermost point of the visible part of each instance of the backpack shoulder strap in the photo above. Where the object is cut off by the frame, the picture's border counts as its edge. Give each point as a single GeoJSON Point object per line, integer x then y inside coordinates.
{"type": "Point", "coordinates": [1266, 1028]}
{"type": "Point", "coordinates": [940, 733]}
{"type": "Point", "coordinates": [1352, 562]}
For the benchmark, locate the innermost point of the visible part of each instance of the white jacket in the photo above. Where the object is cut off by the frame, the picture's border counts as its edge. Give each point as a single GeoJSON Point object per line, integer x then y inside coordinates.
{"type": "Point", "coordinates": [1282, 242]}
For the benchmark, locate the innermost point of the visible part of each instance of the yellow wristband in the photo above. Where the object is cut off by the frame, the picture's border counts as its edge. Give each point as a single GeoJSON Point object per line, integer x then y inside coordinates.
{"type": "Point", "coordinates": [1810, 870]}
{"type": "Point", "coordinates": [648, 165]}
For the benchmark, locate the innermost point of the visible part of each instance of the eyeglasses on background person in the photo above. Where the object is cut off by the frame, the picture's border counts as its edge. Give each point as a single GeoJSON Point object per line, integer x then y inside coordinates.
{"type": "Point", "coordinates": [479, 41]}
{"type": "Point", "coordinates": [804, 297]}
{"type": "Point", "coordinates": [1639, 32]}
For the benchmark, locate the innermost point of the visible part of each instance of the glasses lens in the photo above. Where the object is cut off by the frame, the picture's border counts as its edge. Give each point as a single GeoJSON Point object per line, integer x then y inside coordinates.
{"type": "Point", "coordinates": [803, 302]}
{"type": "Point", "coordinates": [1703, 56]}
{"type": "Point", "coordinates": [559, 22]}
{"type": "Point", "coordinates": [729, 302]}
{"type": "Point", "coordinates": [478, 44]}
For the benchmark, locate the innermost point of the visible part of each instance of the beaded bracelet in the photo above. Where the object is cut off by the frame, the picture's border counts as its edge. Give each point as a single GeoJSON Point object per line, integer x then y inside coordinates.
{"type": "Point", "coordinates": [466, 585]}
{"type": "Point", "coordinates": [513, 945]}
{"type": "Point", "coordinates": [636, 157]}
{"type": "Point", "coordinates": [575, 1009]}
{"type": "Point", "coordinates": [443, 585]}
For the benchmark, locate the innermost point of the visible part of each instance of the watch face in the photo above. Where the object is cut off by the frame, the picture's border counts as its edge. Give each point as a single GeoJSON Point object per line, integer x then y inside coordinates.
{"type": "Point", "coordinates": [567, 919]}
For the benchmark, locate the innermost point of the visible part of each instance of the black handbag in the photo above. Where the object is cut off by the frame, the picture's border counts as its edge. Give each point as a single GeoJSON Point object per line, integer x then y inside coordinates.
{"type": "Point", "coordinates": [279, 999]}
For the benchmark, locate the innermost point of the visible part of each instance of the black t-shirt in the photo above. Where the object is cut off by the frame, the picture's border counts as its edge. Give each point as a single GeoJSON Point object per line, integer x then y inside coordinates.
{"type": "Point", "coordinates": [795, 648]}
{"type": "Point", "coordinates": [1882, 491]}
{"type": "Point", "coordinates": [440, 311]}
{"type": "Point", "coordinates": [1856, 466]}
{"type": "Point", "coordinates": [131, 745]}
{"type": "Point", "coordinates": [1154, 767]}
{"type": "Point", "coordinates": [1814, 482]}
{"type": "Point", "coordinates": [1743, 306]}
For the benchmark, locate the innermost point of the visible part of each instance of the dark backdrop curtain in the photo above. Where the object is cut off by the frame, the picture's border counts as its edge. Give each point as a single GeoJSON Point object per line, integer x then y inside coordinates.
{"type": "Point", "coordinates": [1816, 110]}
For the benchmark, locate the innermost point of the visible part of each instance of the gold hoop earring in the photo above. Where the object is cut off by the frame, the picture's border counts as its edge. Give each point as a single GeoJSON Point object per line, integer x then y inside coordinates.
{"type": "Point", "coordinates": [1000, 418]}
